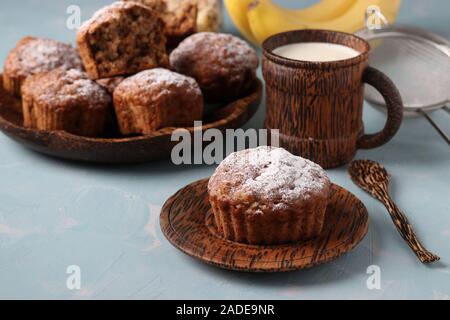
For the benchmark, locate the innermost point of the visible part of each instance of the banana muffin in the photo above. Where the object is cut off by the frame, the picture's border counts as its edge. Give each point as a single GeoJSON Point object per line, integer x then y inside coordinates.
{"type": "Point", "coordinates": [122, 39]}
{"type": "Point", "coordinates": [35, 55]}
{"type": "Point", "coordinates": [223, 65]}
{"type": "Point", "coordinates": [155, 99]}
{"type": "Point", "coordinates": [268, 196]}
{"type": "Point", "coordinates": [179, 16]}
{"type": "Point", "coordinates": [65, 100]}
{"type": "Point", "coordinates": [208, 13]}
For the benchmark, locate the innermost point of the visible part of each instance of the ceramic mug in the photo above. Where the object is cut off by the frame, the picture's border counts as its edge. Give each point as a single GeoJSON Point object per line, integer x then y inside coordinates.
{"type": "Point", "coordinates": [318, 106]}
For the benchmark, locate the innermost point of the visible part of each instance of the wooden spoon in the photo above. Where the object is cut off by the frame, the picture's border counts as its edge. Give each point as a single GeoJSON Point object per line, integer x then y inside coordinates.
{"type": "Point", "coordinates": [374, 179]}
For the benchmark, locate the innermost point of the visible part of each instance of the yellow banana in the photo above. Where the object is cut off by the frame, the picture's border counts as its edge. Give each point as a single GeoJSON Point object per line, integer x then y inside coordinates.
{"type": "Point", "coordinates": [321, 11]}
{"type": "Point", "coordinates": [237, 10]}
{"type": "Point", "coordinates": [265, 18]}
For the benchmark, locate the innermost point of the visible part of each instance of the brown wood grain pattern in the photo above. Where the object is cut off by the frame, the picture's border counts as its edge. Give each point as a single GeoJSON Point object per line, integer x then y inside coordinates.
{"type": "Point", "coordinates": [115, 149]}
{"type": "Point", "coordinates": [394, 107]}
{"type": "Point", "coordinates": [374, 179]}
{"type": "Point", "coordinates": [188, 223]}
{"type": "Point", "coordinates": [317, 106]}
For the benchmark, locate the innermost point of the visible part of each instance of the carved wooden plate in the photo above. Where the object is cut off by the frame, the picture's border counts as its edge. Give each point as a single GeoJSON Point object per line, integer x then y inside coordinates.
{"type": "Point", "coordinates": [113, 148]}
{"type": "Point", "coordinates": [187, 222]}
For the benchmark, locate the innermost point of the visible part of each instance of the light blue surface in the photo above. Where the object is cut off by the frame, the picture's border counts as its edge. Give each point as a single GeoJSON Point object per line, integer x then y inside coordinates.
{"type": "Point", "coordinates": [106, 219]}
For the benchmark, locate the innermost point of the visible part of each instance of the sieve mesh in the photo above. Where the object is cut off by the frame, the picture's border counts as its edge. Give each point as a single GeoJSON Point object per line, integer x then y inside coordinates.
{"type": "Point", "coordinates": [418, 65]}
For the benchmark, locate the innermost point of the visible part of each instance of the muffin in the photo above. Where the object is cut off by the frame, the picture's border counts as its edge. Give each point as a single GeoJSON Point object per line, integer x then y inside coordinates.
{"type": "Point", "coordinates": [208, 12]}
{"type": "Point", "coordinates": [155, 99]}
{"type": "Point", "coordinates": [65, 100]}
{"type": "Point", "coordinates": [179, 16]}
{"type": "Point", "coordinates": [122, 39]}
{"type": "Point", "coordinates": [180, 20]}
{"type": "Point", "coordinates": [268, 196]}
{"type": "Point", "coordinates": [223, 65]}
{"type": "Point", "coordinates": [35, 55]}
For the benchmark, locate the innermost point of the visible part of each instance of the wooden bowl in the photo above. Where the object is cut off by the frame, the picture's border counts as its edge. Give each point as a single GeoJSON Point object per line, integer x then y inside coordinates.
{"type": "Point", "coordinates": [115, 149]}
{"type": "Point", "coordinates": [187, 222]}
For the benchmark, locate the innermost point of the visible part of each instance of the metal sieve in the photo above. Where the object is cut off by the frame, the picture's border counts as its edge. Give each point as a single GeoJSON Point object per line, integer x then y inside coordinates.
{"type": "Point", "coordinates": [418, 62]}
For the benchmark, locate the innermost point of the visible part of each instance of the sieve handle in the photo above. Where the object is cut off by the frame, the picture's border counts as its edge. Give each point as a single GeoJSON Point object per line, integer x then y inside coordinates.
{"type": "Point", "coordinates": [394, 106]}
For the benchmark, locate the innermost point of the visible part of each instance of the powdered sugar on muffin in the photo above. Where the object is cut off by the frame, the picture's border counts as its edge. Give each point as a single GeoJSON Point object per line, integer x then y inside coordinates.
{"type": "Point", "coordinates": [159, 79]}
{"type": "Point", "coordinates": [270, 174]}
{"type": "Point", "coordinates": [35, 55]}
{"type": "Point", "coordinates": [268, 196]}
{"type": "Point", "coordinates": [223, 65]}
{"type": "Point", "coordinates": [65, 100]}
{"type": "Point", "coordinates": [235, 53]}
{"type": "Point", "coordinates": [104, 14]}
{"type": "Point", "coordinates": [72, 86]}
{"type": "Point", "coordinates": [160, 75]}
{"type": "Point", "coordinates": [156, 99]}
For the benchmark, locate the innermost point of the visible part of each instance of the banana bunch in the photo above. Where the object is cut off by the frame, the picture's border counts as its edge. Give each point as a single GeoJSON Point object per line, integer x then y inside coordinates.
{"type": "Point", "coordinates": [259, 19]}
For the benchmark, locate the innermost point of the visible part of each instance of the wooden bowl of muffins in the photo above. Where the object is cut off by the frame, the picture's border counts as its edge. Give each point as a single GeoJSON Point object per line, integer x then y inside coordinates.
{"type": "Point", "coordinates": [130, 83]}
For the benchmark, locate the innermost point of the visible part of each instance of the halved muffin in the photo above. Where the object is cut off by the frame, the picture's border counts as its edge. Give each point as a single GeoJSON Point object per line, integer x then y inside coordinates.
{"type": "Point", "coordinates": [122, 39]}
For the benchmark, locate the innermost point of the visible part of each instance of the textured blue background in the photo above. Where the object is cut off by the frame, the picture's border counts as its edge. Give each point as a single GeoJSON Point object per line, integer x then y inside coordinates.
{"type": "Point", "coordinates": [105, 219]}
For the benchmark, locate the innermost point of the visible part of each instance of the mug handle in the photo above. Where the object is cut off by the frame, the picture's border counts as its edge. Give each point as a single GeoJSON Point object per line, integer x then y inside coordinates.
{"type": "Point", "coordinates": [394, 106]}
